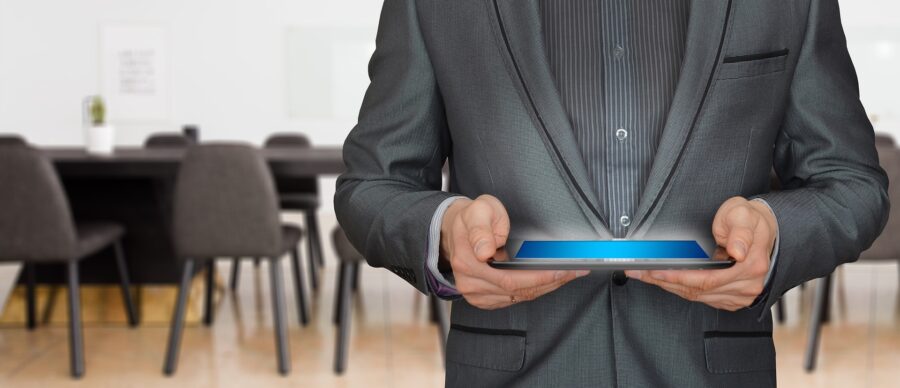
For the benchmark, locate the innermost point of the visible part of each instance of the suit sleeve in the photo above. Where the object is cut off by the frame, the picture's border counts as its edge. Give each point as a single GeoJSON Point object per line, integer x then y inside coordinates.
{"type": "Point", "coordinates": [386, 198]}
{"type": "Point", "coordinates": [835, 199]}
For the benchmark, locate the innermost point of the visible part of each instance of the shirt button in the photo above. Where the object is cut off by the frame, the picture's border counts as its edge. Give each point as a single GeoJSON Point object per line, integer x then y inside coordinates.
{"type": "Point", "coordinates": [625, 221]}
{"type": "Point", "coordinates": [619, 51]}
{"type": "Point", "coordinates": [621, 134]}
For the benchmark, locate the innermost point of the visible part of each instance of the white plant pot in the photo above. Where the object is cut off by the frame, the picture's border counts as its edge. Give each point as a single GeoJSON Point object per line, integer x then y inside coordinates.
{"type": "Point", "coordinates": [101, 140]}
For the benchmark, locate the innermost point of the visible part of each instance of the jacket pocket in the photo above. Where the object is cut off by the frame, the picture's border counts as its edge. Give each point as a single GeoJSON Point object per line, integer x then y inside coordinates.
{"type": "Point", "coordinates": [497, 349]}
{"type": "Point", "coordinates": [735, 352]}
{"type": "Point", "coordinates": [741, 66]}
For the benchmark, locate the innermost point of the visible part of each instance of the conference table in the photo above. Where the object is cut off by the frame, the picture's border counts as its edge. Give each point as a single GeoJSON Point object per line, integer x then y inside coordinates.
{"type": "Point", "coordinates": [134, 187]}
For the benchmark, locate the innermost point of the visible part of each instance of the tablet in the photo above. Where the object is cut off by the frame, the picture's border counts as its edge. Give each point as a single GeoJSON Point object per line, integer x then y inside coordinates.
{"type": "Point", "coordinates": [607, 255]}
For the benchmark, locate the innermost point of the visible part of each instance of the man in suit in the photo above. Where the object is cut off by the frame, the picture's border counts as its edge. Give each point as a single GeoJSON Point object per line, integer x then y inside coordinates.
{"type": "Point", "coordinates": [638, 119]}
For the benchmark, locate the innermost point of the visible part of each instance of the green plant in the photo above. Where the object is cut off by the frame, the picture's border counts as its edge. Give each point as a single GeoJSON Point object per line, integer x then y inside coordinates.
{"type": "Point", "coordinates": [98, 111]}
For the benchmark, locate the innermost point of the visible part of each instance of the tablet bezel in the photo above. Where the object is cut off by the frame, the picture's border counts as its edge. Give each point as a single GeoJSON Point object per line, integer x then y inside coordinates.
{"type": "Point", "coordinates": [513, 246]}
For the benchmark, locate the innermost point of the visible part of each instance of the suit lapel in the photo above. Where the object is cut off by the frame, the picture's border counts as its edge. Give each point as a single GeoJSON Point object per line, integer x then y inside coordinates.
{"type": "Point", "coordinates": [706, 34]}
{"type": "Point", "coordinates": [517, 28]}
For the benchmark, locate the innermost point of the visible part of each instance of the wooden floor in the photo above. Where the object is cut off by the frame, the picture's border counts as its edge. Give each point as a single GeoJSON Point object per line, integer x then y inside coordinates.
{"type": "Point", "coordinates": [394, 345]}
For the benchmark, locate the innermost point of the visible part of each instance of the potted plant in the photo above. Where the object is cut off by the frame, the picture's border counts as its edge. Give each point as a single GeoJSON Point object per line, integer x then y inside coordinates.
{"type": "Point", "coordinates": [101, 136]}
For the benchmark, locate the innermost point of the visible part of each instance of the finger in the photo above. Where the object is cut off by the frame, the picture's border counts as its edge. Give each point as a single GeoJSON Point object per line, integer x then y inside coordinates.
{"type": "Point", "coordinates": [501, 255]}
{"type": "Point", "coordinates": [763, 240]}
{"type": "Point", "coordinates": [719, 229]}
{"type": "Point", "coordinates": [463, 257]}
{"type": "Point", "coordinates": [635, 274]}
{"type": "Point", "coordinates": [489, 302]}
{"type": "Point", "coordinates": [741, 223]}
{"type": "Point", "coordinates": [507, 282]}
{"type": "Point", "coordinates": [512, 281]}
{"type": "Point", "coordinates": [736, 291]}
{"type": "Point", "coordinates": [677, 289]}
{"type": "Point", "coordinates": [742, 288]}
{"type": "Point", "coordinates": [703, 280]}
{"type": "Point", "coordinates": [726, 302]}
{"type": "Point", "coordinates": [537, 292]}
{"type": "Point", "coordinates": [495, 299]}
{"type": "Point", "coordinates": [501, 223]}
{"type": "Point", "coordinates": [491, 280]}
{"type": "Point", "coordinates": [478, 219]}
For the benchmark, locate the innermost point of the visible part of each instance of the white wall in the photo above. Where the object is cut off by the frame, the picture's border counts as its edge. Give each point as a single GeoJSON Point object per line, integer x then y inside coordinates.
{"type": "Point", "coordinates": [873, 36]}
{"type": "Point", "coordinates": [228, 64]}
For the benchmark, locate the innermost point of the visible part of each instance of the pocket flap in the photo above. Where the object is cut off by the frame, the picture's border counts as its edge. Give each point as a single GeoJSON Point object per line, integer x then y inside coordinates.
{"type": "Point", "coordinates": [752, 68]}
{"type": "Point", "coordinates": [497, 349]}
{"type": "Point", "coordinates": [732, 352]}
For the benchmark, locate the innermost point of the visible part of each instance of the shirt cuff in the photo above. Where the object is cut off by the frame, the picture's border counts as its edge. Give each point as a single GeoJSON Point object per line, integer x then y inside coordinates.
{"type": "Point", "coordinates": [438, 283]}
{"type": "Point", "coordinates": [767, 286]}
{"type": "Point", "coordinates": [774, 258]}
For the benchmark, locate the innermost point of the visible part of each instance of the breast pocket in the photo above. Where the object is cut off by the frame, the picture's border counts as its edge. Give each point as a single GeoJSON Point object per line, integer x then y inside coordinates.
{"type": "Point", "coordinates": [753, 64]}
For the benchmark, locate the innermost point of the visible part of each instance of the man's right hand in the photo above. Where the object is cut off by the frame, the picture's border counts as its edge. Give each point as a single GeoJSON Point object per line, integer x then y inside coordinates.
{"type": "Point", "coordinates": [472, 233]}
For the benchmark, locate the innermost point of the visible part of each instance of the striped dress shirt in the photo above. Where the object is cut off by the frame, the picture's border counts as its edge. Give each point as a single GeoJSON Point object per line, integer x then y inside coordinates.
{"type": "Point", "coordinates": [616, 65]}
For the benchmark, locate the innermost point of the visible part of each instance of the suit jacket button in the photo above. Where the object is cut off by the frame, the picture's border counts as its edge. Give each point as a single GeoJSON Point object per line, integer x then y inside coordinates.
{"type": "Point", "coordinates": [619, 278]}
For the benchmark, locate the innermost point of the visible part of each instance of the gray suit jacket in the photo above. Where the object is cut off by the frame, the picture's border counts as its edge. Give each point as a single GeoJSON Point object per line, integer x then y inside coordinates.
{"type": "Point", "coordinates": [764, 82]}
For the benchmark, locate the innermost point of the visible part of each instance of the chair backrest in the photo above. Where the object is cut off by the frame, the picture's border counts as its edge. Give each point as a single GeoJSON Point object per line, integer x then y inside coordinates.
{"type": "Point", "coordinates": [12, 140]}
{"type": "Point", "coordinates": [288, 140]}
{"type": "Point", "coordinates": [887, 245]}
{"type": "Point", "coordinates": [225, 204]}
{"type": "Point", "coordinates": [167, 140]}
{"type": "Point", "coordinates": [35, 220]}
{"type": "Point", "coordinates": [292, 185]}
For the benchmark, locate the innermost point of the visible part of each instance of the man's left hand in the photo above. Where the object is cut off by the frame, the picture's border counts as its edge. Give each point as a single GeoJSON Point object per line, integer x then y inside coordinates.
{"type": "Point", "coordinates": [745, 231]}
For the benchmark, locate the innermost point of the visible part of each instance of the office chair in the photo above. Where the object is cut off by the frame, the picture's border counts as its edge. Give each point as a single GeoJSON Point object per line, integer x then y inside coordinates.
{"type": "Point", "coordinates": [297, 194]}
{"type": "Point", "coordinates": [226, 206]}
{"type": "Point", "coordinates": [37, 227]}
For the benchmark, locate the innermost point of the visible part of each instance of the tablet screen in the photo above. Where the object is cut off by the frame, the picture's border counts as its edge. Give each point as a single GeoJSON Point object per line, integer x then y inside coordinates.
{"type": "Point", "coordinates": [615, 249]}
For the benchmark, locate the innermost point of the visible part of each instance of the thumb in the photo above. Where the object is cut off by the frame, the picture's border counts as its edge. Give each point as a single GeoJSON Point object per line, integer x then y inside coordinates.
{"type": "Point", "coordinates": [488, 226]}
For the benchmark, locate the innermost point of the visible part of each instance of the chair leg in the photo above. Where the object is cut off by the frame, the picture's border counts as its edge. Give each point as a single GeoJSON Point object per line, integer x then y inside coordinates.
{"type": "Point", "coordinates": [313, 271]}
{"type": "Point", "coordinates": [47, 311]}
{"type": "Point", "coordinates": [344, 295]}
{"type": "Point", "coordinates": [338, 299]}
{"type": "Point", "coordinates": [442, 321]}
{"type": "Point", "coordinates": [30, 296]}
{"type": "Point", "coordinates": [314, 242]}
{"type": "Point", "coordinates": [355, 285]}
{"type": "Point", "coordinates": [208, 308]}
{"type": "Point", "coordinates": [235, 273]}
{"type": "Point", "coordinates": [826, 307]}
{"type": "Point", "coordinates": [125, 284]}
{"type": "Point", "coordinates": [76, 339]}
{"type": "Point", "coordinates": [177, 327]}
{"type": "Point", "coordinates": [299, 291]}
{"type": "Point", "coordinates": [815, 324]}
{"type": "Point", "coordinates": [281, 333]}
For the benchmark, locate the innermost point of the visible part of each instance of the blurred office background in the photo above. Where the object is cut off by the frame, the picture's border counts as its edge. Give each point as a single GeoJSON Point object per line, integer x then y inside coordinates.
{"type": "Point", "coordinates": [244, 70]}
